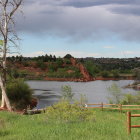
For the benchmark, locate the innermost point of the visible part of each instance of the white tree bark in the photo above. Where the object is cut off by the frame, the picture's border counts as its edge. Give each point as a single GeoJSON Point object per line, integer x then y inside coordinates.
{"type": "Point", "coordinates": [8, 9]}
{"type": "Point", "coordinates": [5, 100]}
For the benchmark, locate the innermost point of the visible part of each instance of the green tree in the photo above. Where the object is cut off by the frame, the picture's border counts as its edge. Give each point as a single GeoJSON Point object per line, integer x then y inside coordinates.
{"type": "Point", "coordinates": [68, 56]}
{"type": "Point", "coordinates": [115, 73]}
{"type": "Point", "coordinates": [67, 92]}
{"type": "Point", "coordinates": [116, 94]}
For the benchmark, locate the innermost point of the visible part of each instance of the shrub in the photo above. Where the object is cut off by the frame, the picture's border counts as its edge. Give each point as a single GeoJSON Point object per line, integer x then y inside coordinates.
{"type": "Point", "coordinates": [131, 99]}
{"type": "Point", "coordinates": [13, 73]}
{"type": "Point", "coordinates": [25, 64]}
{"type": "Point", "coordinates": [115, 73]}
{"type": "Point", "coordinates": [105, 74]}
{"type": "Point", "coordinates": [116, 94]}
{"type": "Point", "coordinates": [65, 112]}
{"type": "Point", "coordinates": [52, 67]}
{"type": "Point", "coordinates": [59, 62]}
{"type": "Point", "coordinates": [63, 73]}
{"type": "Point", "coordinates": [91, 68]}
{"type": "Point", "coordinates": [41, 65]}
{"type": "Point", "coordinates": [67, 61]}
{"type": "Point", "coordinates": [136, 72]}
{"type": "Point", "coordinates": [67, 92]}
{"type": "Point", "coordinates": [117, 97]}
{"type": "Point", "coordinates": [19, 93]}
{"type": "Point", "coordinates": [83, 99]}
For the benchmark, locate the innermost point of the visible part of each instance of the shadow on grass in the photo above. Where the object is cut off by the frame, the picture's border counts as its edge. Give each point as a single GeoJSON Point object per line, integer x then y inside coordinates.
{"type": "Point", "coordinates": [3, 133]}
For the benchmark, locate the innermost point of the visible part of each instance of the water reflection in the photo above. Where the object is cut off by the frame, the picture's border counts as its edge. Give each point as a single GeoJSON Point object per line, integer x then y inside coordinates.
{"type": "Point", "coordinates": [49, 92]}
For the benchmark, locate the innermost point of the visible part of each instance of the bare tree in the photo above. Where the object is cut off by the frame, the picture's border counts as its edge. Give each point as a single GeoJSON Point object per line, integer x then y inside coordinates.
{"type": "Point", "coordinates": [8, 36]}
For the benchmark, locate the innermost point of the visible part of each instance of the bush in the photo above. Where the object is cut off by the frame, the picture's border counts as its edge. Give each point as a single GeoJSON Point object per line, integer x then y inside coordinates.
{"type": "Point", "coordinates": [105, 74]}
{"type": "Point", "coordinates": [41, 65]}
{"type": "Point", "coordinates": [131, 99]}
{"type": "Point", "coordinates": [91, 68]}
{"type": "Point", "coordinates": [19, 93]}
{"type": "Point", "coordinates": [67, 61]}
{"type": "Point", "coordinates": [63, 73]}
{"type": "Point", "coordinates": [59, 62]}
{"type": "Point", "coordinates": [52, 67]}
{"type": "Point", "coordinates": [67, 92]}
{"type": "Point", "coordinates": [65, 112]}
{"type": "Point", "coordinates": [117, 97]}
{"type": "Point", "coordinates": [13, 73]}
{"type": "Point", "coordinates": [136, 72]}
{"type": "Point", "coordinates": [116, 94]}
{"type": "Point", "coordinates": [115, 73]}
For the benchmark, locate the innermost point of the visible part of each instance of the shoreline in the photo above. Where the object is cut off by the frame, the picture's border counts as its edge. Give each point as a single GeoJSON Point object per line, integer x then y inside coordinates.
{"type": "Point", "coordinates": [88, 80]}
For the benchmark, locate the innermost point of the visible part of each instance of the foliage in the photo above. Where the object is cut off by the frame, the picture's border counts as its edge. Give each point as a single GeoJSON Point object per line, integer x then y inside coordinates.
{"type": "Point", "coordinates": [41, 65]}
{"type": "Point", "coordinates": [116, 94]}
{"type": "Point", "coordinates": [83, 99]}
{"type": "Point", "coordinates": [65, 112]}
{"type": "Point", "coordinates": [131, 99]}
{"type": "Point", "coordinates": [67, 92]}
{"type": "Point", "coordinates": [1, 42]}
{"type": "Point", "coordinates": [117, 97]}
{"type": "Point", "coordinates": [13, 73]}
{"type": "Point", "coordinates": [59, 62]}
{"type": "Point", "coordinates": [91, 68]}
{"type": "Point", "coordinates": [63, 72]}
{"type": "Point", "coordinates": [67, 61]}
{"type": "Point", "coordinates": [115, 73]}
{"type": "Point", "coordinates": [137, 73]}
{"type": "Point", "coordinates": [52, 67]}
{"type": "Point", "coordinates": [26, 64]}
{"type": "Point", "coordinates": [68, 56]}
{"type": "Point", "coordinates": [105, 73]}
{"type": "Point", "coordinates": [19, 93]}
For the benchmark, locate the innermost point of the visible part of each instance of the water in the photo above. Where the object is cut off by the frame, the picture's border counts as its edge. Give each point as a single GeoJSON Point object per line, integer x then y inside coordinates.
{"type": "Point", "coordinates": [49, 92]}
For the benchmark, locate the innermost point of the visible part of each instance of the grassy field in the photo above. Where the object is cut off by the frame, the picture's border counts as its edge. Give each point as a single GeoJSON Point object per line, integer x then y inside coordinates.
{"type": "Point", "coordinates": [107, 125]}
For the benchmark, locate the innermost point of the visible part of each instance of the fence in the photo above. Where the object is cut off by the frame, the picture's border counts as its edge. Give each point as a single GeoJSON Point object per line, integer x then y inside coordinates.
{"type": "Point", "coordinates": [129, 126]}
{"type": "Point", "coordinates": [119, 107]}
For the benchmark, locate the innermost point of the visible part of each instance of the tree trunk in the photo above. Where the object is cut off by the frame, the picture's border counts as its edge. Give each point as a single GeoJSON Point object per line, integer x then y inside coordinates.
{"type": "Point", "coordinates": [5, 100]}
{"type": "Point", "coordinates": [3, 105]}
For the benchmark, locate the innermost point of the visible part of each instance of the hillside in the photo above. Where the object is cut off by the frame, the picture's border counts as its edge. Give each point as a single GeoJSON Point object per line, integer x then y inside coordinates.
{"type": "Point", "coordinates": [72, 69]}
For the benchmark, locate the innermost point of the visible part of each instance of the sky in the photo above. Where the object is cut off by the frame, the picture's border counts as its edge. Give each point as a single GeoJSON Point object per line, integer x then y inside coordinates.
{"type": "Point", "coordinates": [82, 28]}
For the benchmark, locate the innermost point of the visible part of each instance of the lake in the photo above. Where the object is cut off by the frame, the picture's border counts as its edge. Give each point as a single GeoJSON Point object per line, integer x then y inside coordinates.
{"type": "Point", "coordinates": [49, 92]}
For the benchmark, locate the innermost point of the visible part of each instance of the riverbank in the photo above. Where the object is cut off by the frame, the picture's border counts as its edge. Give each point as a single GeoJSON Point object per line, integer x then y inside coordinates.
{"type": "Point", "coordinates": [135, 86]}
{"type": "Point", "coordinates": [91, 79]}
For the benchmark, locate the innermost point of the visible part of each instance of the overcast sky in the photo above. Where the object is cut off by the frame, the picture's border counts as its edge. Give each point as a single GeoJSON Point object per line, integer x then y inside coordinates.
{"type": "Point", "coordinates": [83, 28]}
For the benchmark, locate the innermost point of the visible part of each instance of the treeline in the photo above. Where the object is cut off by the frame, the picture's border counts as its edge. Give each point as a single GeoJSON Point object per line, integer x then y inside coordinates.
{"type": "Point", "coordinates": [62, 68]}
{"type": "Point", "coordinates": [42, 66]}
{"type": "Point", "coordinates": [110, 67]}
{"type": "Point", "coordinates": [43, 58]}
{"type": "Point", "coordinates": [122, 64]}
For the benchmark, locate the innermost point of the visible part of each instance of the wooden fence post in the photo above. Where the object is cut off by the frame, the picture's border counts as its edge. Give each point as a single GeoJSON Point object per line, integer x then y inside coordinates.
{"type": "Point", "coordinates": [129, 122]}
{"type": "Point", "coordinates": [102, 105]}
{"type": "Point", "coordinates": [120, 108]}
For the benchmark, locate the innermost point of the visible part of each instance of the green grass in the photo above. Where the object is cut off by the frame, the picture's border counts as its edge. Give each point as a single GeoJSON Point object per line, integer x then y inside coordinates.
{"type": "Point", "coordinates": [107, 125]}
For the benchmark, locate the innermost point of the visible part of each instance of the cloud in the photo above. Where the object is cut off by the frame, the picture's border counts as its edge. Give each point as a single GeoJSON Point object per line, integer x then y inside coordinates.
{"type": "Point", "coordinates": [108, 47]}
{"type": "Point", "coordinates": [84, 3]}
{"type": "Point", "coordinates": [34, 54]}
{"type": "Point", "coordinates": [82, 19]}
{"type": "Point", "coordinates": [132, 52]}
